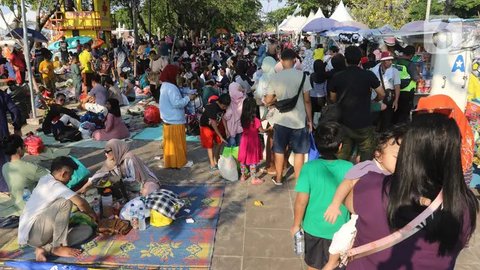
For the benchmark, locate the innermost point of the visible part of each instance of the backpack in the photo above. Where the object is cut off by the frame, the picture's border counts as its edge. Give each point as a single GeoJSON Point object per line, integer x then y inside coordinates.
{"type": "Point", "coordinates": [34, 144]}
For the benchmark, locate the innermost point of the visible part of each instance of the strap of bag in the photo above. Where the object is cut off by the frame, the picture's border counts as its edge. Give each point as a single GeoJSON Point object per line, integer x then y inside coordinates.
{"type": "Point", "coordinates": [301, 86]}
{"type": "Point", "coordinates": [381, 77]}
{"type": "Point", "coordinates": [408, 230]}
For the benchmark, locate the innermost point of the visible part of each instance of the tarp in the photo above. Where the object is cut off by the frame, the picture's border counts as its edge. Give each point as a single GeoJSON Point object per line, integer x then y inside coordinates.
{"type": "Point", "coordinates": [10, 17]}
{"type": "Point", "coordinates": [341, 14]}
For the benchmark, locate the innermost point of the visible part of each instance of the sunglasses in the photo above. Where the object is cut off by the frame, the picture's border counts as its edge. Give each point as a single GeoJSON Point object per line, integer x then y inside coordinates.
{"type": "Point", "coordinates": [107, 151]}
{"type": "Point", "coordinates": [445, 111]}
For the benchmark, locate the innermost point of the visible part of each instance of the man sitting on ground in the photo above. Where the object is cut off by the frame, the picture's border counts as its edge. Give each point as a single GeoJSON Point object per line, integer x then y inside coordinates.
{"type": "Point", "coordinates": [57, 112]}
{"type": "Point", "coordinates": [97, 97]}
{"type": "Point", "coordinates": [45, 219]}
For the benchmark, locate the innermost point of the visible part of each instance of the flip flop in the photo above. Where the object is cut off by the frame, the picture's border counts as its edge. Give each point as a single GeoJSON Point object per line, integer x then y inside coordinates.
{"type": "Point", "coordinates": [257, 181]}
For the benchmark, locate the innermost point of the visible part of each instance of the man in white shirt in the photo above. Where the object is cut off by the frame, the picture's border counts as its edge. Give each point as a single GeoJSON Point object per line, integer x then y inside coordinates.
{"type": "Point", "coordinates": [389, 78]}
{"type": "Point", "coordinates": [308, 58]}
{"type": "Point", "coordinates": [45, 218]}
{"type": "Point", "coordinates": [291, 127]}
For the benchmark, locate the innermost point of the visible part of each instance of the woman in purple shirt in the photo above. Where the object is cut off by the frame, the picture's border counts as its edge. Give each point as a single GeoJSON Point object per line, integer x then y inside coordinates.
{"type": "Point", "coordinates": [428, 161]}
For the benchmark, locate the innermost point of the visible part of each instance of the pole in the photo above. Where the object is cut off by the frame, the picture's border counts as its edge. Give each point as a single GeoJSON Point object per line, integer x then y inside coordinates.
{"type": "Point", "coordinates": [427, 13]}
{"type": "Point", "coordinates": [26, 53]}
{"type": "Point", "coordinates": [150, 19]}
{"type": "Point", "coordinates": [135, 37]}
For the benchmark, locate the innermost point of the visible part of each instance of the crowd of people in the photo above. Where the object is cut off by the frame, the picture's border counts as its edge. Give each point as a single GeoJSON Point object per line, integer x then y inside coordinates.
{"type": "Point", "coordinates": [265, 94]}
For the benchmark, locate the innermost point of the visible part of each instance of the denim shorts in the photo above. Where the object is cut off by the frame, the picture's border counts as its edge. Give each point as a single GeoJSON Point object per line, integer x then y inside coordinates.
{"type": "Point", "coordinates": [297, 139]}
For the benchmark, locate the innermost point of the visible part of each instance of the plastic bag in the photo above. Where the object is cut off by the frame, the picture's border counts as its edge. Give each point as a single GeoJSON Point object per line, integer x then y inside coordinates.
{"type": "Point", "coordinates": [313, 152]}
{"type": "Point", "coordinates": [79, 174]}
{"type": "Point", "coordinates": [34, 144]}
{"type": "Point", "coordinates": [230, 152]}
{"type": "Point", "coordinates": [151, 116]}
{"type": "Point", "coordinates": [228, 168]}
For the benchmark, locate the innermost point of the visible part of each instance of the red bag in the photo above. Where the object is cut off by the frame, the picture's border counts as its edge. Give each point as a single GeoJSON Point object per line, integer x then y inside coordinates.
{"type": "Point", "coordinates": [151, 116]}
{"type": "Point", "coordinates": [33, 144]}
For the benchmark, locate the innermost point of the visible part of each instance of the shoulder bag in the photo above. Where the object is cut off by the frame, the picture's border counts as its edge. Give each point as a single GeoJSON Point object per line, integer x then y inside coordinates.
{"type": "Point", "coordinates": [389, 93]}
{"type": "Point", "coordinates": [289, 104]}
{"type": "Point", "coordinates": [333, 112]}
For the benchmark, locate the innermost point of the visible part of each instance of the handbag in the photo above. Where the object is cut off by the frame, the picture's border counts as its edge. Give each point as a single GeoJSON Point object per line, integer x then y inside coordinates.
{"type": "Point", "coordinates": [389, 93]}
{"type": "Point", "coordinates": [289, 104]}
{"type": "Point", "coordinates": [332, 112]}
{"type": "Point", "coordinates": [390, 240]}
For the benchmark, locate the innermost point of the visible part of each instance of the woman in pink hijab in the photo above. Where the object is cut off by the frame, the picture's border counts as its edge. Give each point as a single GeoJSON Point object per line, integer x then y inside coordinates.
{"type": "Point", "coordinates": [233, 114]}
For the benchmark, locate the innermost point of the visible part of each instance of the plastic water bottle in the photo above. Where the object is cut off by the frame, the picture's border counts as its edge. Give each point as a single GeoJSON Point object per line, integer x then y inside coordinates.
{"type": "Point", "coordinates": [298, 243]}
{"type": "Point", "coordinates": [142, 225]}
{"type": "Point", "coordinates": [133, 217]}
{"type": "Point", "coordinates": [26, 194]}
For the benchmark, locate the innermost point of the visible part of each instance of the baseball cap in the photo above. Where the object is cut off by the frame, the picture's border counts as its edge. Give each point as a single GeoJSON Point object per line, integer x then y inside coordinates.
{"type": "Point", "coordinates": [386, 56]}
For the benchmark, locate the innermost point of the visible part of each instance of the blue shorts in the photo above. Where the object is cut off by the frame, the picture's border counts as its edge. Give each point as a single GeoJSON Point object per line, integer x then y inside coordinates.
{"type": "Point", "coordinates": [297, 139]}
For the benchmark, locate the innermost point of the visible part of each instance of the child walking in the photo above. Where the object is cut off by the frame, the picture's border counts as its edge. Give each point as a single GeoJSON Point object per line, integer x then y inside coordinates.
{"type": "Point", "coordinates": [250, 151]}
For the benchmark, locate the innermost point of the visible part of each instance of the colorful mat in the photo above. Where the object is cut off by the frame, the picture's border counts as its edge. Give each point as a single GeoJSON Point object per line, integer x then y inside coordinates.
{"type": "Point", "coordinates": [181, 245]}
{"type": "Point", "coordinates": [156, 134]}
{"type": "Point", "coordinates": [85, 143]}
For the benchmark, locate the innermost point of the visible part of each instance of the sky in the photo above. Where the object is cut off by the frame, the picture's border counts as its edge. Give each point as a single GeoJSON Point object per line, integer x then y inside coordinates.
{"type": "Point", "coordinates": [271, 5]}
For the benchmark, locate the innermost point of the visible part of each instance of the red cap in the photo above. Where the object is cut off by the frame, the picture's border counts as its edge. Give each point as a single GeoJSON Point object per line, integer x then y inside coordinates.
{"type": "Point", "coordinates": [386, 56]}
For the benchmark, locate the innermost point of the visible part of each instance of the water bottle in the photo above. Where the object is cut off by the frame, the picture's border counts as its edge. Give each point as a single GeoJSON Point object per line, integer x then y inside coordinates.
{"type": "Point", "coordinates": [298, 243]}
{"type": "Point", "coordinates": [133, 217]}
{"type": "Point", "coordinates": [96, 206]}
{"type": "Point", "coordinates": [142, 225]}
{"type": "Point", "coordinates": [26, 194]}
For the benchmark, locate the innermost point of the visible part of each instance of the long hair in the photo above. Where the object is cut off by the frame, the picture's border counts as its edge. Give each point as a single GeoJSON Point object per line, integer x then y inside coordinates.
{"type": "Point", "coordinates": [318, 75]}
{"type": "Point", "coordinates": [114, 107]}
{"type": "Point", "coordinates": [249, 111]}
{"type": "Point", "coordinates": [429, 161]}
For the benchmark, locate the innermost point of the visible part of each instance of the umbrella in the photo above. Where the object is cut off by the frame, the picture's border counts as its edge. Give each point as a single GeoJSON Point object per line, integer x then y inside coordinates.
{"type": "Point", "coordinates": [72, 42]}
{"type": "Point", "coordinates": [32, 34]}
{"type": "Point", "coordinates": [320, 25]}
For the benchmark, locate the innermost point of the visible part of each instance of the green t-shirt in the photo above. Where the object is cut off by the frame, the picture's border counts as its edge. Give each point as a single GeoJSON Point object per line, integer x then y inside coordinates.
{"type": "Point", "coordinates": [320, 179]}
{"type": "Point", "coordinates": [18, 175]}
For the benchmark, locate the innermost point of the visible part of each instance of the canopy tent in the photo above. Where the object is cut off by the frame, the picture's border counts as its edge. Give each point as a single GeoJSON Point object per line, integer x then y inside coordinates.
{"type": "Point", "coordinates": [8, 24]}
{"type": "Point", "coordinates": [341, 14]}
{"type": "Point", "coordinates": [310, 17]}
{"type": "Point", "coordinates": [284, 22]}
{"type": "Point", "coordinates": [320, 25]}
{"type": "Point", "coordinates": [295, 24]}
{"type": "Point", "coordinates": [319, 14]}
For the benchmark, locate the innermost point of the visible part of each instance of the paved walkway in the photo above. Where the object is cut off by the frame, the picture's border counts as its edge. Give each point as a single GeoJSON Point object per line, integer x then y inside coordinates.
{"type": "Point", "coordinates": [248, 236]}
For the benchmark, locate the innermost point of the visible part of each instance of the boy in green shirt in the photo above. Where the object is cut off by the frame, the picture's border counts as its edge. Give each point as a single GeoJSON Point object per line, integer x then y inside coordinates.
{"type": "Point", "coordinates": [315, 188]}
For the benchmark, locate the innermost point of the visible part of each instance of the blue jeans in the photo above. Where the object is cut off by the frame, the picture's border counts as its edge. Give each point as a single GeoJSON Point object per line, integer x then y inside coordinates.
{"type": "Point", "coordinates": [234, 141]}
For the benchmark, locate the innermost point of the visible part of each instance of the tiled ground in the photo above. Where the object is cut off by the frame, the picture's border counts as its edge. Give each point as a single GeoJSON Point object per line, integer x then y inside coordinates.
{"type": "Point", "coordinates": [248, 237]}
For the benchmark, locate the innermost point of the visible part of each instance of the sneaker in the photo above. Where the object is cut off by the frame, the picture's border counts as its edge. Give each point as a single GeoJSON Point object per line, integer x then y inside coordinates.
{"type": "Point", "coordinates": [276, 183]}
{"type": "Point", "coordinates": [189, 164]}
{"type": "Point", "coordinates": [213, 169]}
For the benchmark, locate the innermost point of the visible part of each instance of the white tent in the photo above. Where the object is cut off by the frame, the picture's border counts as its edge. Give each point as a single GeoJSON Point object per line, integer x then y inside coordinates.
{"type": "Point", "coordinates": [319, 14]}
{"type": "Point", "coordinates": [293, 23]}
{"type": "Point", "coordinates": [10, 17]}
{"type": "Point", "coordinates": [341, 14]}
{"type": "Point", "coordinates": [310, 17]}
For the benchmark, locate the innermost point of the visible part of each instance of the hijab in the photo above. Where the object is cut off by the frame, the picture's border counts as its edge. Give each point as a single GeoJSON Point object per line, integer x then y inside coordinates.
{"type": "Point", "coordinates": [268, 69]}
{"type": "Point", "coordinates": [234, 111]}
{"type": "Point", "coordinates": [444, 101]}
{"type": "Point", "coordinates": [121, 153]}
{"type": "Point", "coordinates": [169, 74]}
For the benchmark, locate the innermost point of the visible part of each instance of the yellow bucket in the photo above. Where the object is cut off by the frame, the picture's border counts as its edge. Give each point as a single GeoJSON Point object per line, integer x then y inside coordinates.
{"type": "Point", "coordinates": [159, 220]}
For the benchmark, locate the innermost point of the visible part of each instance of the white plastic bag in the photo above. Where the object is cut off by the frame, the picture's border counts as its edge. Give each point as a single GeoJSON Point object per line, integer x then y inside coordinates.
{"type": "Point", "coordinates": [343, 239]}
{"type": "Point", "coordinates": [137, 204]}
{"type": "Point", "coordinates": [228, 168]}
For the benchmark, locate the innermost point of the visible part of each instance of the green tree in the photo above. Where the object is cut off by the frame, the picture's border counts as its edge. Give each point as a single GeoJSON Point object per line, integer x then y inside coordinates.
{"type": "Point", "coordinates": [377, 14]}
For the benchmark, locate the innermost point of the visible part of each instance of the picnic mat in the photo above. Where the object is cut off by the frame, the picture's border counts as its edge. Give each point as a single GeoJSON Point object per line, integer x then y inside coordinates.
{"type": "Point", "coordinates": [181, 245]}
{"type": "Point", "coordinates": [85, 143]}
{"type": "Point", "coordinates": [156, 134]}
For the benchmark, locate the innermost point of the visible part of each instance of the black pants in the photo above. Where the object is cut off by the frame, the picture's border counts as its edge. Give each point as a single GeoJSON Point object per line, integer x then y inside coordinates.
{"type": "Point", "coordinates": [405, 106]}
{"type": "Point", "coordinates": [155, 92]}
{"type": "Point", "coordinates": [385, 119]}
{"type": "Point", "coordinates": [317, 103]}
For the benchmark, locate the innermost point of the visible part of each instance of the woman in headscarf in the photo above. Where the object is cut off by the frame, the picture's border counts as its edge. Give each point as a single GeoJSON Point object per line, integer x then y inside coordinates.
{"type": "Point", "coordinates": [121, 162]}
{"type": "Point", "coordinates": [172, 111]}
{"type": "Point", "coordinates": [268, 69]}
{"type": "Point", "coordinates": [318, 81]}
{"type": "Point", "coordinates": [443, 103]}
{"type": "Point", "coordinates": [233, 114]}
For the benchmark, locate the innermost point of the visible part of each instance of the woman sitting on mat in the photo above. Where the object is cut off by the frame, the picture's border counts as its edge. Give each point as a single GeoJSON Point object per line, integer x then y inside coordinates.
{"type": "Point", "coordinates": [124, 164]}
{"type": "Point", "coordinates": [115, 128]}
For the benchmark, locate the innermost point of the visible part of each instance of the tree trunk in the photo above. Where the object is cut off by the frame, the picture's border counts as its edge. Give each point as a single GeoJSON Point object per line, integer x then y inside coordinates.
{"type": "Point", "coordinates": [141, 21]}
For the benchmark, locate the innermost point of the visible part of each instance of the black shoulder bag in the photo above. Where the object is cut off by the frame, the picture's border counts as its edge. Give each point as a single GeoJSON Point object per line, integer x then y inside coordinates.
{"type": "Point", "coordinates": [389, 93]}
{"type": "Point", "coordinates": [288, 104]}
{"type": "Point", "coordinates": [333, 112]}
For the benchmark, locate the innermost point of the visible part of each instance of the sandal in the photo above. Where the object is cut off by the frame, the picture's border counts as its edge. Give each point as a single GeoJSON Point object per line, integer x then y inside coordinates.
{"type": "Point", "coordinates": [276, 183]}
{"type": "Point", "coordinates": [257, 181]}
